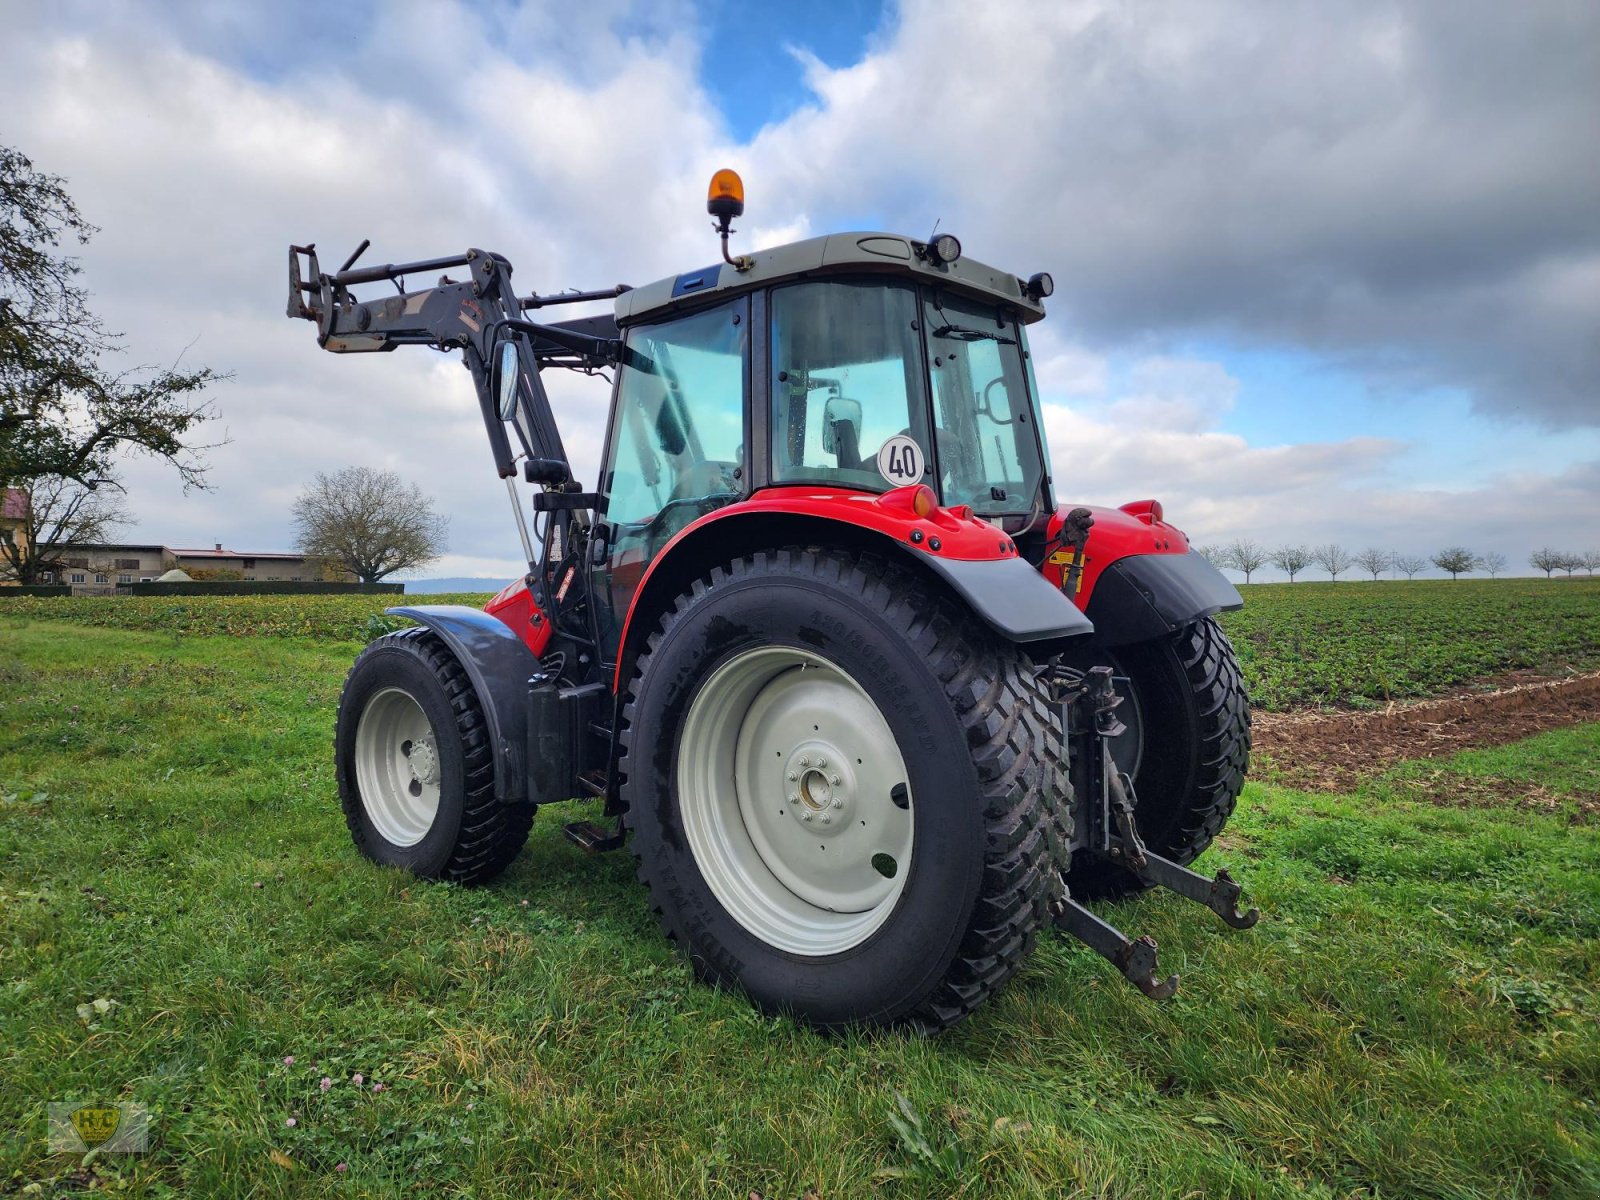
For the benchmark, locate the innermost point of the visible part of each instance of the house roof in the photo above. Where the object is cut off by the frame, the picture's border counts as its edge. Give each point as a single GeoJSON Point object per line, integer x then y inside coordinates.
{"type": "Point", "coordinates": [234, 554]}
{"type": "Point", "coordinates": [103, 546]}
{"type": "Point", "coordinates": [13, 504]}
{"type": "Point", "coordinates": [178, 551]}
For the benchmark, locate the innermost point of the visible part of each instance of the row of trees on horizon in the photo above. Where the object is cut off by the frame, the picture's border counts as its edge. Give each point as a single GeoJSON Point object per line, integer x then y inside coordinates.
{"type": "Point", "coordinates": [1247, 557]}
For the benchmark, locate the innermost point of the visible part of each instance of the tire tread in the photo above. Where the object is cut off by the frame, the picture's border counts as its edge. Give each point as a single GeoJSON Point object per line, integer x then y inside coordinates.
{"type": "Point", "coordinates": [1012, 731]}
{"type": "Point", "coordinates": [492, 833]}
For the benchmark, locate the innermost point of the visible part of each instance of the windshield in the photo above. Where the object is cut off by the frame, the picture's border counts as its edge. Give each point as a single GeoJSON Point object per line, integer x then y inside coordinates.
{"type": "Point", "coordinates": [984, 429]}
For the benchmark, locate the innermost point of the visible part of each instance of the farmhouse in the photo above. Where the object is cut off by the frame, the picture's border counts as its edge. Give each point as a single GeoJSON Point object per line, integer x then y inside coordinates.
{"type": "Point", "coordinates": [98, 568]}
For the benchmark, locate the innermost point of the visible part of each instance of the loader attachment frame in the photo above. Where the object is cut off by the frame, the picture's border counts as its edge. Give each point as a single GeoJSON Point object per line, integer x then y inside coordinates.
{"type": "Point", "coordinates": [474, 315]}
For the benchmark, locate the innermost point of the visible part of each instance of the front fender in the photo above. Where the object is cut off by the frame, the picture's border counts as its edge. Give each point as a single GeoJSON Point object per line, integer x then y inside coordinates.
{"type": "Point", "coordinates": [499, 664]}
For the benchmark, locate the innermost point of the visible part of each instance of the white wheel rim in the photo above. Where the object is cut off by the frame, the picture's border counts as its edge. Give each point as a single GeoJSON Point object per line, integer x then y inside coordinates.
{"type": "Point", "coordinates": [397, 767]}
{"type": "Point", "coordinates": [795, 800]}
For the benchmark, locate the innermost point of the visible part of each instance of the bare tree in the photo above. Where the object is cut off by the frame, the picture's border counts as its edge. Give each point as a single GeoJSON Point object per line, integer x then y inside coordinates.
{"type": "Point", "coordinates": [1455, 559]}
{"type": "Point", "coordinates": [1571, 562]}
{"type": "Point", "coordinates": [1291, 560]}
{"type": "Point", "coordinates": [1332, 558]}
{"type": "Point", "coordinates": [367, 522]}
{"type": "Point", "coordinates": [58, 512]}
{"type": "Point", "coordinates": [1546, 560]}
{"type": "Point", "coordinates": [1493, 562]}
{"type": "Point", "coordinates": [371, 523]}
{"type": "Point", "coordinates": [1374, 561]}
{"type": "Point", "coordinates": [1591, 560]}
{"type": "Point", "coordinates": [1215, 555]}
{"type": "Point", "coordinates": [1245, 556]}
{"type": "Point", "coordinates": [1409, 564]}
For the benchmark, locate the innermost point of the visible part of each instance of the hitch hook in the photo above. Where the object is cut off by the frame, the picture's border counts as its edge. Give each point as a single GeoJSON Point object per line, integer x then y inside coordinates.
{"type": "Point", "coordinates": [1136, 959]}
{"type": "Point", "coordinates": [1224, 902]}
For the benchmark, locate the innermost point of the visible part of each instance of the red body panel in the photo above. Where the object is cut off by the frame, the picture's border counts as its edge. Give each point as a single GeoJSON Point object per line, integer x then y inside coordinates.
{"type": "Point", "coordinates": [1116, 533]}
{"type": "Point", "coordinates": [514, 606]}
{"type": "Point", "coordinates": [955, 531]}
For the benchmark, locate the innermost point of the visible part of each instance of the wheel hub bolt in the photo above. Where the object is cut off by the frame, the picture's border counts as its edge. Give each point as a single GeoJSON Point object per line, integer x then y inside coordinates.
{"type": "Point", "coordinates": [837, 803]}
{"type": "Point", "coordinates": [826, 819]}
{"type": "Point", "coordinates": [805, 760]}
{"type": "Point", "coordinates": [833, 779]}
{"type": "Point", "coordinates": [821, 762]}
{"type": "Point", "coordinates": [795, 799]}
{"type": "Point", "coordinates": [794, 777]}
{"type": "Point", "coordinates": [805, 816]}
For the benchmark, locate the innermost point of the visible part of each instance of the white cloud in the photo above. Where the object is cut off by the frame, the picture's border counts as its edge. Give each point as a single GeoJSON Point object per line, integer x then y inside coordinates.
{"type": "Point", "coordinates": [1369, 183]}
{"type": "Point", "coordinates": [1159, 441]}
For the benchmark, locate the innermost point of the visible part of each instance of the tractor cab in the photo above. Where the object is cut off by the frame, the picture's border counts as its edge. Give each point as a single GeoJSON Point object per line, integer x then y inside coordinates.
{"type": "Point", "coordinates": [858, 362]}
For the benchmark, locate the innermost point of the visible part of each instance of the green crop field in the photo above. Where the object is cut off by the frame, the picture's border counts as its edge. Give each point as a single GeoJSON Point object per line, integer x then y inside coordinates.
{"type": "Point", "coordinates": [1418, 1014]}
{"type": "Point", "coordinates": [1355, 643]}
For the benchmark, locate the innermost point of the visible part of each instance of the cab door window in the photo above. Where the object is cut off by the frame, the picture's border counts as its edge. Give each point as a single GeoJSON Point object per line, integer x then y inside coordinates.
{"type": "Point", "coordinates": [677, 442]}
{"type": "Point", "coordinates": [989, 442]}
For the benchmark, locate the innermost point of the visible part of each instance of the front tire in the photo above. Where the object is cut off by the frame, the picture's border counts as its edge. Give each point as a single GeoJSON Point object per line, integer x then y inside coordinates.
{"type": "Point", "coordinates": [416, 777]}
{"type": "Point", "coordinates": [1187, 746]}
{"type": "Point", "coordinates": [807, 683]}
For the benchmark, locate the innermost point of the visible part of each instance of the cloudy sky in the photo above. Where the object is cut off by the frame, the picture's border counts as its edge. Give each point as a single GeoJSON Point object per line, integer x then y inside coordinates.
{"type": "Point", "coordinates": [1323, 272]}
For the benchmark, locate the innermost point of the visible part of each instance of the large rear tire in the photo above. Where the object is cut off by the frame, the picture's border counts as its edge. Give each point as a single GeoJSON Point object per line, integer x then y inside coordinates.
{"type": "Point", "coordinates": [1187, 746]}
{"type": "Point", "coordinates": [846, 795]}
{"type": "Point", "coordinates": [416, 778]}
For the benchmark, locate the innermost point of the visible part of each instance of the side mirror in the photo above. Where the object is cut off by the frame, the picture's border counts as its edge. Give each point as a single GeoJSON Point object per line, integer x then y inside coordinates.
{"type": "Point", "coordinates": [840, 410]}
{"type": "Point", "coordinates": [510, 365]}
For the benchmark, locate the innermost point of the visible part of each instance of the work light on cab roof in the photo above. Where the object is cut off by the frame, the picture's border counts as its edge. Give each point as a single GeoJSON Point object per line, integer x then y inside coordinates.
{"type": "Point", "coordinates": [725, 201]}
{"type": "Point", "coordinates": [822, 572]}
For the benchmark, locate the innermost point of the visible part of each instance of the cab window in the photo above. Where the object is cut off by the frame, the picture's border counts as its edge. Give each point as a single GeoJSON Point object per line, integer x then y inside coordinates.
{"type": "Point", "coordinates": [847, 377]}
{"type": "Point", "coordinates": [989, 444]}
{"type": "Point", "coordinates": [678, 431]}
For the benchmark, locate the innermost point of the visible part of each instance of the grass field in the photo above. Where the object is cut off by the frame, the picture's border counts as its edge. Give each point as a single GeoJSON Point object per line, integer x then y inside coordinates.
{"type": "Point", "coordinates": [1303, 643]}
{"type": "Point", "coordinates": [1415, 1016]}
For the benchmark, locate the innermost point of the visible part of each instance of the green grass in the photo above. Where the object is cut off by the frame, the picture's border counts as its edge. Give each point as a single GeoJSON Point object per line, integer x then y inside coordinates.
{"type": "Point", "coordinates": [1305, 643]}
{"type": "Point", "coordinates": [336, 618]}
{"type": "Point", "coordinates": [1415, 1016]}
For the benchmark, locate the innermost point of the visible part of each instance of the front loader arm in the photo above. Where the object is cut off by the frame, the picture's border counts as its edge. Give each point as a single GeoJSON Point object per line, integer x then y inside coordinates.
{"type": "Point", "coordinates": [473, 315]}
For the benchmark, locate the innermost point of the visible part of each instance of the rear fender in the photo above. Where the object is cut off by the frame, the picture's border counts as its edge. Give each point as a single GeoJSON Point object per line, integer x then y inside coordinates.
{"type": "Point", "coordinates": [500, 664]}
{"type": "Point", "coordinates": [965, 556]}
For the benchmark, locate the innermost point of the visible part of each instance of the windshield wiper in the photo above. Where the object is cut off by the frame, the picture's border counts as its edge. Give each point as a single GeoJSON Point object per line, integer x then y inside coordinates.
{"type": "Point", "coordinates": [965, 333]}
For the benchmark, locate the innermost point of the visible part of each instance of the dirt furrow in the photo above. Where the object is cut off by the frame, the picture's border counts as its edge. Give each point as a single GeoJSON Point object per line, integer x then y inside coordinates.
{"type": "Point", "coordinates": [1332, 751]}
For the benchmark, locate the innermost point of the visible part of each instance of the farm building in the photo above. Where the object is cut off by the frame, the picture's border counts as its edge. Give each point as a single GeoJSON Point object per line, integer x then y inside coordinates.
{"type": "Point", "coordinates": [98, 568]}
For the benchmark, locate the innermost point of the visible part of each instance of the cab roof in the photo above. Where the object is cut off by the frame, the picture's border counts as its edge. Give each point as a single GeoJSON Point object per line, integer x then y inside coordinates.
{"type": "Point", "coordinates": [834, 254]}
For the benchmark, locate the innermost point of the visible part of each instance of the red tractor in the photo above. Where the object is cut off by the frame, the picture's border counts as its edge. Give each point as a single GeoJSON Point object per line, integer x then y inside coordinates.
{"type": "Point", "coordinates": [873, 707]}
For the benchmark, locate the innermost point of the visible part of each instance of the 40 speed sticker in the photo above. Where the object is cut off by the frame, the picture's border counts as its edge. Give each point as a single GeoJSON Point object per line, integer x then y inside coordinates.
{"type": "Point", "coordinates": [901, 461]}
